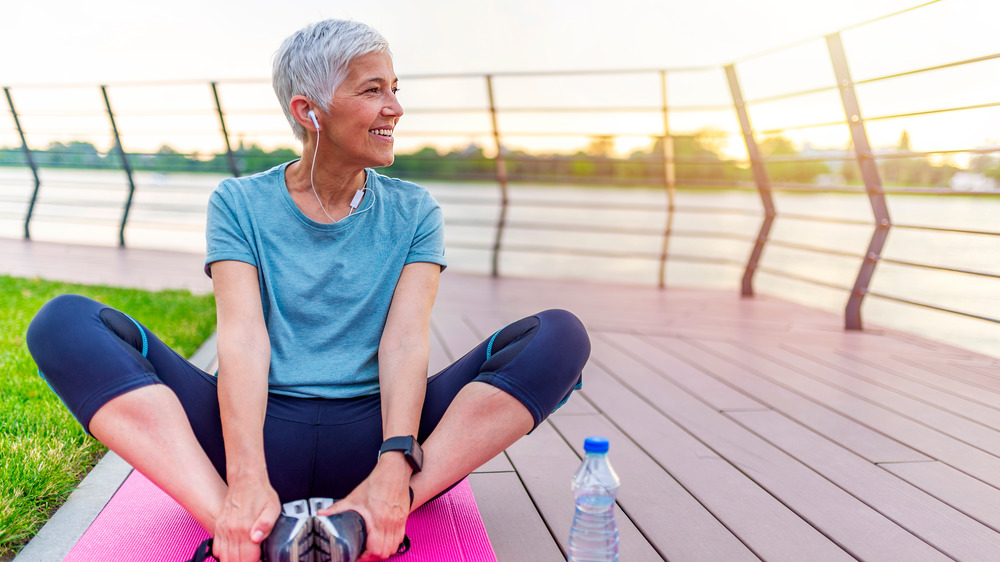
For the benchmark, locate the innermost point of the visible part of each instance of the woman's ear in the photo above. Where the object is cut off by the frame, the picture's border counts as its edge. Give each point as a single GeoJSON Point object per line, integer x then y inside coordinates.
{"type": "Point", "coordinates": [301, 108]}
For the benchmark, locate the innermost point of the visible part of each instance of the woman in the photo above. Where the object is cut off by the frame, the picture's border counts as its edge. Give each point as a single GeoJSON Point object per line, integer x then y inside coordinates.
{"type": "Point", "coordinates": [325, 273]}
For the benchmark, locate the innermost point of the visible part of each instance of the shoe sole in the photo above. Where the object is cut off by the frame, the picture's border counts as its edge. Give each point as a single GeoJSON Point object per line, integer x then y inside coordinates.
{"type": "Point", "coordinates": [315, 538]}
{"type": "Point", "coordinates": [295, 522]}
{"type": "Point", "coordinates": [340, 542]}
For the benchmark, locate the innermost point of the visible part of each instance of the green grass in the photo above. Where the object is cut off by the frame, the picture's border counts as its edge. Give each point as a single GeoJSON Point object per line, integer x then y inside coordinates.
{"type": "Point", "coordinates": [44, 452]}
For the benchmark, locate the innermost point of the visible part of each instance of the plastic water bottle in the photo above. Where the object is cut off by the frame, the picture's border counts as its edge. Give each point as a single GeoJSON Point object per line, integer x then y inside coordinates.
{"type": "Point", "coordinates": [594, 534]}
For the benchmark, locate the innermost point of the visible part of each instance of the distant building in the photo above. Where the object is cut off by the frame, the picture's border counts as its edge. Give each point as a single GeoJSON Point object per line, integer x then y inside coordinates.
{"type": "Point", "coordinates": [969, 181]}
{"type": "Point", "coordinates": [830, 180]}
{"type": "Point", "coordinates": [834, 158]}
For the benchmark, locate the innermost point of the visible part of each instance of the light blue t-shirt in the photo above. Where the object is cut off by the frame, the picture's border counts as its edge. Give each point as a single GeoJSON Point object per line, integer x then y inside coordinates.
{"type": "Point", "coordinates": [325, 288]}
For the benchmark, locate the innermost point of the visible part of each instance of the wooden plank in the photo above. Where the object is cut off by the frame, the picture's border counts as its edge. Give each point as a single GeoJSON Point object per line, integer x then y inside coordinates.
{"type": "Point", "coordinates": [955, 488]}
{"type": "Point", "coordinates": [621, 306]}
{"type": "Point", "coordinates": [546, 463]}
{"type": "Point", "coordinates": [990, 369]}
{"type": "Point", "coordinates": [922, 438]}
{"type": "Point", "coordinates": [935, 522]}
{"type": "Point", "coordinates": [719, 394]}
{"type": "Point", "coordinates": [440, 355]}
{"type": "Point", "coordinates": [882, 371]}
{"type": "Point", "coordinates": [857, 528]}
{"type": "Point", "coordinates": [920, 355]}
{"type": "Point", "coordinates": [499, 463]}
{"type": "Point", "coordinates": [575, 406]}
{"type": "Point", "coordinates": [666, 513]}
{"type": "Point", "coordinates": [833, 336]}
{"type": "Point", "coordinates": [769, 528]}
{"type": "Point", "coordinates": [99, 265]}
{"type": "Point", "coordinates": [454, 333]}
{"type": "Point", "coordinates": [516, 530]}
{"type": "Point", "coordinates": [769, 384]}
{"type": "Point", "coordinates": [927, 414]}
{"type": "Point", "coordinates": [960, 379]}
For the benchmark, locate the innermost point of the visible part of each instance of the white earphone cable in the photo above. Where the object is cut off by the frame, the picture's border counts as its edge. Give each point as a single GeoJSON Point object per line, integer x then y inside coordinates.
{"type": "Point", "coordinates": [312, 168]}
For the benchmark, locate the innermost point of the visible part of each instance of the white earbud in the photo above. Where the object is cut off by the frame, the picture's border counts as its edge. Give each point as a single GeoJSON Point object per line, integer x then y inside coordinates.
{"type": "Point", "coordinates": [312, 115]}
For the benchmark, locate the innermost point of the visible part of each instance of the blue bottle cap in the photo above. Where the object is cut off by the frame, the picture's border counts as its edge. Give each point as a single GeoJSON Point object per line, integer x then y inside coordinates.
{"type": "Point", "coordinates": [595, 445]}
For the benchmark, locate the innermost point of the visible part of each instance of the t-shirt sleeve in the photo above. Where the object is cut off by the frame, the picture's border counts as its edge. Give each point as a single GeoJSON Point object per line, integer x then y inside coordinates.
{"type": "Point", "coordinates": [428, 240]}
{"type": "Point", "coordinates": [227, 234]}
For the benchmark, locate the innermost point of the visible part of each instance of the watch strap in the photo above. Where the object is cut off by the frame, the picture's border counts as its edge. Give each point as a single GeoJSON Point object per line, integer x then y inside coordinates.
{"type": "Point", "coordinates": [407, 445]}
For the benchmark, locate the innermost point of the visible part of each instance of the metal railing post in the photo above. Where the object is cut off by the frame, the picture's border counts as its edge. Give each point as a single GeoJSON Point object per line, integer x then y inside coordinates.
{"type": "Point", "coordinates": [669, 179]}
{"type": "Point", "coordinates": [760, 177]}
{"type": "Point", "coordinates": [31, 163]}
{"type": "Point", "coordinates": [225, 133]}
{"type": "Point", "coordinates": [501, 172]}
{"type": "Point", "coordinates": [125, 166]}
{"type": "Point", "coordinates": [870, 175]}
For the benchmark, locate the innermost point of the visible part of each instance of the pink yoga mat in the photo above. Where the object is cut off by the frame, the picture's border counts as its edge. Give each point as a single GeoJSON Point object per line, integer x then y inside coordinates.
{"type": "Point", "coordinates": [141, 523]}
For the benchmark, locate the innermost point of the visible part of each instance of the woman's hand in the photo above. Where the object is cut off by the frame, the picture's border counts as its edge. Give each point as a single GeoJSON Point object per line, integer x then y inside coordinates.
{"type": "Point", "coordinates": [248, 514]}
{"type": "Point", "coordinates": [383, 500]}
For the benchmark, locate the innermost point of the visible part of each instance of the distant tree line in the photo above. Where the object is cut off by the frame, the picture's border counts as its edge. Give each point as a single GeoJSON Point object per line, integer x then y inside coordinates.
{"type": "Point", "coordinates": [902, 169]}
{"type": "Point", "coordinates": [698, 161]}
{"type": "Point", "coordinates": [81, 154]}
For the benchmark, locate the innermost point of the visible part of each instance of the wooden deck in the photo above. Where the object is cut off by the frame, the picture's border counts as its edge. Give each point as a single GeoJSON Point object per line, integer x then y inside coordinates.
{"type": "Point", "coordinates": [742, 429]}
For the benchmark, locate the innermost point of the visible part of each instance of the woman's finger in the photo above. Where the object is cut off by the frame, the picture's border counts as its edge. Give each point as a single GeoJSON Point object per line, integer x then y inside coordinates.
{"type": "Point", "coordinates": [264, 524]}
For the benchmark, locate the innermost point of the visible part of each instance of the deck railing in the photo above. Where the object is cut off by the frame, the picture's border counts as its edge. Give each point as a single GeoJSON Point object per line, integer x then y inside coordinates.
{"type": "Point", "coordinates": [501, 111]}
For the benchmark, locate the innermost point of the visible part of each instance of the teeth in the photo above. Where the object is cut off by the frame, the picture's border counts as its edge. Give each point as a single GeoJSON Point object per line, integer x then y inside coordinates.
{"type": "Point", "coordinates": [382, 132]}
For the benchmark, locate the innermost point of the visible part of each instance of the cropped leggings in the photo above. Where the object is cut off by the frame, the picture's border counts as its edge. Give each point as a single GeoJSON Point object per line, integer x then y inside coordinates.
{"type": "Point", "coordinates": [314, 447]}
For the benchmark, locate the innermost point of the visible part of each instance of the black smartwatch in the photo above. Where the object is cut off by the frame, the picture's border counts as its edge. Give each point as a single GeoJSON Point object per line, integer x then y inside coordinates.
{"type": "Point", "coordinates": [408, 445]}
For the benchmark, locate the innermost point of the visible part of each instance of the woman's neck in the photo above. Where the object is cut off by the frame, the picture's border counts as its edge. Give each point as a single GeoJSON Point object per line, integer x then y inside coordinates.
{"type": "Point", "coordinates": [323, 193]}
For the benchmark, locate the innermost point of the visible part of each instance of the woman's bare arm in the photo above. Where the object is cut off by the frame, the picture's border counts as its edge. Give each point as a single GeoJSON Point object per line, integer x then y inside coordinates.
{"type": "Point", "coordinates": [404, 350]}
{"type": "Point", "coordinates": [251, 506]}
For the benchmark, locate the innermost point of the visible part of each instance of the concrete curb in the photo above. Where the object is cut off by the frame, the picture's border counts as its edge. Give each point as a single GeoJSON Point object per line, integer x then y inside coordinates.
{"type": "Point", "coordinates": [58, 536]}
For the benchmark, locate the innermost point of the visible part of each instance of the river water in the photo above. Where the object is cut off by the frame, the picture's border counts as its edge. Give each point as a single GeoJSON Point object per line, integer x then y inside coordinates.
{"type": "Point", "coordinates": [710, 246]}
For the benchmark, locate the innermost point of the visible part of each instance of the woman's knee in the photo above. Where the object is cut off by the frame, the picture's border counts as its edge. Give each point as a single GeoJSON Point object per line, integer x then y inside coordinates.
{"type": "Point", "coordinates": [65, 323]}
{"type": "Point", "coordinates": [48, 327]}
{"type": "Point", "coordinates": [566, 328]}
{"type": "Point", "coordinates": [82, 355]}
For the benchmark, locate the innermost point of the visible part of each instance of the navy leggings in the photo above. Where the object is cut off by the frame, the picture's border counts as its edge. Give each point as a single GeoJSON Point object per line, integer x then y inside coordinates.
{"type": "Point", "coordinates": [90, 353]}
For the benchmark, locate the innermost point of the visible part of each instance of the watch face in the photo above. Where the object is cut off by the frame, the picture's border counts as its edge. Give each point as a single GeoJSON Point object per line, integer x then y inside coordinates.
{"type": "Point", "coordinates": [417, 454]}
{"type": "Point", "coordinates": [408, 446]}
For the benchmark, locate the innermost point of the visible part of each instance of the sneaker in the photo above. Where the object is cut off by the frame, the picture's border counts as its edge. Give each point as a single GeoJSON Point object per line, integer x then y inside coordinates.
{"type": "Point", "coordinates": [336, 538]}
{"type": "Point", "coordinates": [291, 538]}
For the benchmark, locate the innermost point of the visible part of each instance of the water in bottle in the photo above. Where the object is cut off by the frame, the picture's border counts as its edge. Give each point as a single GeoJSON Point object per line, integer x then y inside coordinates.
{"type": "Point", "coordinates": [594, 534]}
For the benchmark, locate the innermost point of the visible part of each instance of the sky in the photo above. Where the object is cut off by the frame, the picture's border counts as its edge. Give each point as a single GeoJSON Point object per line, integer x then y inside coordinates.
{"type": "Point", "coordinates": [58, 41]}
{"type": "Point", "coordinates": [126, 41]}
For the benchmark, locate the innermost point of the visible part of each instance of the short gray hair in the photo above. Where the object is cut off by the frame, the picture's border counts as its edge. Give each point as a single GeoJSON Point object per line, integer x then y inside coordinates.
{"type": "Point", "coordinates": [313, 62]}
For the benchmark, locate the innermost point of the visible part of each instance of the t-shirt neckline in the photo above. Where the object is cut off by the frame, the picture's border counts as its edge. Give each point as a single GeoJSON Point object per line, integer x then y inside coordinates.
{"type": "Point", "coordinates": [369, 200]}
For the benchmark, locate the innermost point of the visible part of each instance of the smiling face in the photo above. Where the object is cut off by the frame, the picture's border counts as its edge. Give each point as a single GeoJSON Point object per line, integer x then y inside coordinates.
{"type": "Point", "coordinates": [357, 131]}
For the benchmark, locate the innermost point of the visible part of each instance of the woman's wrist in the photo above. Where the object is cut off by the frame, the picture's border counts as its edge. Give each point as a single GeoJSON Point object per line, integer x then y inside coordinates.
{"type": "Point", "coordinates": [248, 472]}
{"type": "Point", "coordinates": [394, 461]}
{"type": "Point", "coordinates": [393, 472]}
